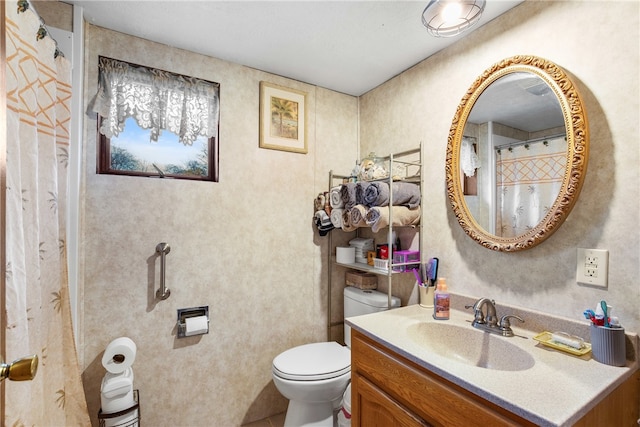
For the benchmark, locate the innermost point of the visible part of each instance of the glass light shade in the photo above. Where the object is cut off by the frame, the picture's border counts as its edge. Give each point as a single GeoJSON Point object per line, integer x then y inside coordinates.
{"type": "Point", "coordinates": [448, 18]}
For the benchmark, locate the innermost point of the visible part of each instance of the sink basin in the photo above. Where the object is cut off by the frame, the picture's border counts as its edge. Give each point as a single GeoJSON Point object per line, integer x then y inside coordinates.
{"type": "Point", "coordinates": [470, 346]}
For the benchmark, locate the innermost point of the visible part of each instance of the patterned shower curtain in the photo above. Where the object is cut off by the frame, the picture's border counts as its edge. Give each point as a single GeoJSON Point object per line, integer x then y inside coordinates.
{"type": "Point", "coordinates": [528, 179]}
{"type": "Point", "coordinates": [37, 296]}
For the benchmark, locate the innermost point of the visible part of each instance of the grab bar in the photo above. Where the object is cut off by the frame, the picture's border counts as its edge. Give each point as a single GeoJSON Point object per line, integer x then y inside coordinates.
{"type": "Point", "coordinates": [163, 249]}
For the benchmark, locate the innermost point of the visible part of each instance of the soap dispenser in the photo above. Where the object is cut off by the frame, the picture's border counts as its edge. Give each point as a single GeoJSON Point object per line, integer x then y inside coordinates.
{"type": "Point", "coordinates": [441, 300]}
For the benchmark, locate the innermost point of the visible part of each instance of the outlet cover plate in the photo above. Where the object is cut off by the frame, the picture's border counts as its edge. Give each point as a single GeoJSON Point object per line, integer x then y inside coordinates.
{"type": "Point", "coordinates": [592, 267]}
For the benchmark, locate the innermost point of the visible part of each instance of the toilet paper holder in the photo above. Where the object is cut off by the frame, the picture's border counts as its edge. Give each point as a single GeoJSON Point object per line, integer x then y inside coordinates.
{"type": "Point", "coordinates": [193, 312]}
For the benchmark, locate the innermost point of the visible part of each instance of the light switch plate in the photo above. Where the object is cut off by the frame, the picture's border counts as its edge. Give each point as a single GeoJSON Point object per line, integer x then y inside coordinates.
{"type": "Point", "coordinates": [592, 267]}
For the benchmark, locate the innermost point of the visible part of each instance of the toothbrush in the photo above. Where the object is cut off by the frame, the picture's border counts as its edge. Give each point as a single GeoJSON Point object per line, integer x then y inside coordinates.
{"type": "Point", "coordinates": [434, 271]}
{"type": "Point", "coordinates": [418, 278]}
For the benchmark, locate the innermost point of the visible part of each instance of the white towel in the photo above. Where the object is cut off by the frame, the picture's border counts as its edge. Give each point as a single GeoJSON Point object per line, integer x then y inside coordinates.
{"type": "Point", "coordinates": [335, 199]}
{"type": "Point", "coordinates": [336, 217]}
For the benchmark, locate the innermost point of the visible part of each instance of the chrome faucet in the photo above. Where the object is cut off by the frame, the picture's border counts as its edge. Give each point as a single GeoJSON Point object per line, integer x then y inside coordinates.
{"type": "Point", "coordinates": [488, 321]}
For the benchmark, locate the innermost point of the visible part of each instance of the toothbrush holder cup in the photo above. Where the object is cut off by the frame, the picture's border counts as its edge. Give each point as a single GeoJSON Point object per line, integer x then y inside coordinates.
{"type": "Point", "coordinates": [608, 345]}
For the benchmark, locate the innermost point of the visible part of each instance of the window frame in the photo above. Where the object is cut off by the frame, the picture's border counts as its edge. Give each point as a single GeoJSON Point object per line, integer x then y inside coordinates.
{"type": "Point", "coordinates": [103, 161]}
{"type": "Point", "coordinates": [103, 154]}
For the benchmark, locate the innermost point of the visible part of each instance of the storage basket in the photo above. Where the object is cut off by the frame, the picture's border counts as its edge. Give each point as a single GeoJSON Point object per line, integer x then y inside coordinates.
{"type": "Point", "coordinates": [127, 418]}
{"type": "Point", "coordinates": [381, 264]}
{"type": "Point", "coordinates": [361, 280]}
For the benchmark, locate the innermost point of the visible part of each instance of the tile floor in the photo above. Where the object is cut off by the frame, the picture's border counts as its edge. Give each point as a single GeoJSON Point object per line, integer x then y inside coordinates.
{"type": "Point", "coordinates": [273, 421]}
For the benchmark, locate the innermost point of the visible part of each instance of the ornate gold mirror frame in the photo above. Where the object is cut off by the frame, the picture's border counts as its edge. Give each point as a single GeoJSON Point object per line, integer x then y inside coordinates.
{"type": "Point", "coordinates": [577, 136]}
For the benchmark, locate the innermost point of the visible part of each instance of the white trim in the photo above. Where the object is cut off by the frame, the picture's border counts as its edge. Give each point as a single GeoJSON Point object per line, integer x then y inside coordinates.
{"type": "Point", "coordinates": [75, 170]}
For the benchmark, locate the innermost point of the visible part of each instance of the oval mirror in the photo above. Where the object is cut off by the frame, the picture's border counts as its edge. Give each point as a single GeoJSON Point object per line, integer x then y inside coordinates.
{"type": "Point", "coordinates": [517, 153]}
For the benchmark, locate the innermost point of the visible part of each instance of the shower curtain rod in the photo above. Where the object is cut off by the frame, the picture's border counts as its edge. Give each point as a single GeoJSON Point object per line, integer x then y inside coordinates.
{"type": "Point", "coordinates": [529, 141]}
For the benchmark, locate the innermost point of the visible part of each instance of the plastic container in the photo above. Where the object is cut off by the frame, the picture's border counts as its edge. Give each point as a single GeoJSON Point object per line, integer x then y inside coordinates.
{"type": "Point", "coordinates": [441, 300]}
{"type": "Point", "coordinates": [403, 257]}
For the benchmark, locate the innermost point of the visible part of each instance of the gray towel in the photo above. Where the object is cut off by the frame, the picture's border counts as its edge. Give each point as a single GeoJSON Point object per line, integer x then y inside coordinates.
{"type": "Point", "coordinates": [404, 194]}
{"type": "Point", "coordinates": [361, 188]}
{"type": "Point", "coordinates": [348, 194]}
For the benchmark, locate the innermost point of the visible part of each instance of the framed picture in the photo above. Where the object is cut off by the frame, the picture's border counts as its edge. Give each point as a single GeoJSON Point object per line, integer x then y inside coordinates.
{"type": "Point", "coordinates": [283, 114]}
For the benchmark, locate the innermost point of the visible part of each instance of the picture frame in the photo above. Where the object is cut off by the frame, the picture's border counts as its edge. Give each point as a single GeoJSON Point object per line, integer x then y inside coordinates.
{"type": "Point", "coordinates": [283, 118]}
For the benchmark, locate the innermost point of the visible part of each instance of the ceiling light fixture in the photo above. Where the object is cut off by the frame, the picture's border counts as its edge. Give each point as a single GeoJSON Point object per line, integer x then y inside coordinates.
{"type": "Point", "coordinates": [448, 18]}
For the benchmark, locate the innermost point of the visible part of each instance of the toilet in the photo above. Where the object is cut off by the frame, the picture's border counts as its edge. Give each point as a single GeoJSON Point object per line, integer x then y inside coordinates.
{"type": "Point", "coordinates": [314, 377]}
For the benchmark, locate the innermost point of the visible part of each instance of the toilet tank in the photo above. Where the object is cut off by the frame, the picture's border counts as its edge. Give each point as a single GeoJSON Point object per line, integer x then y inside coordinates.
{"type": "Point", "coordinates": [363, 301]}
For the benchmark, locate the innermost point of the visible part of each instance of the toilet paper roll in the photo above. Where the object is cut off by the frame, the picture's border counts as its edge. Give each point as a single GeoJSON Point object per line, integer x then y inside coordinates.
{"type": "Point", "coordinates": [196, 325]}
{"type": "Point", "coordinates": [345, 255]}
{"type": "Point", "coordinates": [119, 355]}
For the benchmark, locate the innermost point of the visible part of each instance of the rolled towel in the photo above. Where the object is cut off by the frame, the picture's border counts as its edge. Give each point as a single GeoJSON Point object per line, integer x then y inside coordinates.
{"type": "Point", "coordinates": [336, 217]}
{"type": "Point", "coordinates": [378, 217]}
{"type": "Point", "coordinates": [346, 221]}
{"type": "Point", "coordinates": [335, 199]}
{"type": "Point", "coordinates": [357, 215]}
{"type": "Point", "coordinates": [361, 188]}
{"type": "Point", "coordinates": [376, 193]}
{"type": "Point", "coordinates": [404, 194]}
{"type": "Point", "coordinates": [348, 195]}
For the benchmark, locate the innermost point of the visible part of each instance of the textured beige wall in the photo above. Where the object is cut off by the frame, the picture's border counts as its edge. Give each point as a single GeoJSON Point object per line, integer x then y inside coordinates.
{"type": "Point", "coordinates": [598, 44]}
{"type": "Point", "coordinates": [245, 246]}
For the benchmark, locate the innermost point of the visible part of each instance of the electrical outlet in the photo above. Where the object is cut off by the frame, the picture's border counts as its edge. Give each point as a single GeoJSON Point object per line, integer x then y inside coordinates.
{"type": "Point", "coordinates": [592, 267]}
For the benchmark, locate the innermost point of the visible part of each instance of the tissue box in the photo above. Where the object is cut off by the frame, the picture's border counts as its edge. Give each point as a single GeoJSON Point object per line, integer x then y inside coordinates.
{"type": "Point", "coordinates": [401, 257]}
{"type": "Point", "coordinates": [361, 280]}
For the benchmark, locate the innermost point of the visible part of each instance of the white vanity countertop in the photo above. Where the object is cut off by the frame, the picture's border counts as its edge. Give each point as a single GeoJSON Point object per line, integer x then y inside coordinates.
{"type": "Point", "coordinates": [557, 391]}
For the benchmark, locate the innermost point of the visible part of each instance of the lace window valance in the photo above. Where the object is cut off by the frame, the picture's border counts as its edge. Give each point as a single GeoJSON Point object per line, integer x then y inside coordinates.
{"type": "Point", "coordinates": [157, 100]}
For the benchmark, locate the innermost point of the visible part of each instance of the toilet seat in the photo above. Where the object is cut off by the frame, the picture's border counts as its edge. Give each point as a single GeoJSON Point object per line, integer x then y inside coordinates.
{"type": "Point", "coordinates": [313, 362]}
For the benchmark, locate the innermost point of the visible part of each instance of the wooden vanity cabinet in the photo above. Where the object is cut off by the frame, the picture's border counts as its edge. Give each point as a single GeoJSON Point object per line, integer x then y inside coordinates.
{"type": "Point", "coordinates": [390, 390]}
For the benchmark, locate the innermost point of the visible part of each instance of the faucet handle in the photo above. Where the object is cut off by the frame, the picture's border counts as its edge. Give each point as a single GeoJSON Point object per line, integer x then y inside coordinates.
{"type": "Point", "coordinates": [478, 316]}
{"type": "Point", "coordinates": [505, 323]}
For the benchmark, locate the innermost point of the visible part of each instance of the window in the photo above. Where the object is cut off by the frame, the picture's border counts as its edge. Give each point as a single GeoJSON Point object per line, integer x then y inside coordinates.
{"type": "Point", "coordinates": [155, 123]}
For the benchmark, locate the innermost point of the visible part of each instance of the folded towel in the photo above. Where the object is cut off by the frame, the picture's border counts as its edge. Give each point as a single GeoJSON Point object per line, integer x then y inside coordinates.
{"type": "Point", "coordinates": [336, 217]}
{"type": "Point", "coordinates": [404, 194]}
{"type": "Point", "coordinates": [323, 222]}
{"type": "Point", "coordinates": [346, 221]}
{"type": "Point", "coordinates": [348, 195]}
{"type": "Point", "coordinates": [357, 215]}
{"type": "Point", "coordinates": [335, 199]}
{"type": "Point", "coordinates": [378, 217]}
{"type": "Point", "coordinates": [361, 188]}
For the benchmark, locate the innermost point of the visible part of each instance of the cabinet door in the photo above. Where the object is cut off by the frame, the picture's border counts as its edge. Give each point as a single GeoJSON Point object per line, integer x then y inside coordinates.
{"type": "Point", "coordinates": [377, 409]}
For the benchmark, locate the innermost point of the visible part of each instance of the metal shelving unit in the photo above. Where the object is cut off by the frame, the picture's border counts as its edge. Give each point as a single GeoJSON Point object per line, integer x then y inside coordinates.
{"type": "Point", "coordinates": [412, 173]}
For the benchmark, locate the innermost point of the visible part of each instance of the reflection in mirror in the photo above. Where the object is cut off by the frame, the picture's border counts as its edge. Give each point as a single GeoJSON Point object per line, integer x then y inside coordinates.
{"type": "Point", "coordinates": [517, 153]}
{"type": "Point", "coordinates": [521, 145]}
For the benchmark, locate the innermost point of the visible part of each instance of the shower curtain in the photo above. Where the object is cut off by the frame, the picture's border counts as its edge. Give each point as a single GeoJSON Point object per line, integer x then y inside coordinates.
{"type": "Point", "coordinates": [528, 179]}
{"type": "Point", "coordinates": [38, 317]}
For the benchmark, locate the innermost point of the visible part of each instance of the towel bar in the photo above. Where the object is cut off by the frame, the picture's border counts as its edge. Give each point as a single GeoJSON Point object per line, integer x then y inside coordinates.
{"type": "Point", "coordinates": [163, 249]}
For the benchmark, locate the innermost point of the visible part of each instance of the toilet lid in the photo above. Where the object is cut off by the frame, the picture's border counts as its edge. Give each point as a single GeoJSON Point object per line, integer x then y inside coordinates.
{"type": "Point", "coordinates": [313, 362]}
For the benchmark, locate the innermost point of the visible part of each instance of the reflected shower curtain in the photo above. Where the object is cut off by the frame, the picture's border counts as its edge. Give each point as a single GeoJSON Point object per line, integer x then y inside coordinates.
{"type": "Point", "coordinates": [37, 295]}
{"type": "Point", "coordinates": [528, 179]}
